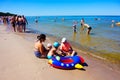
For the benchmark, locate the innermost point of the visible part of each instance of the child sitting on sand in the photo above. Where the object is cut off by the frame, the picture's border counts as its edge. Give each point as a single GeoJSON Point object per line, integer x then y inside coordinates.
{"type": "Point", "coordinates": [49, 46]}
{"type": "Point", "coordinates": [53, 51]}
{"type": "Point", "coordinates": [66, 48]}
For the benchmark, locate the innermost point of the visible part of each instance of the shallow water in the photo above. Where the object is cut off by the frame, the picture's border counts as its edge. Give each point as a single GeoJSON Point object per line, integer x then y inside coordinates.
{"type": "Point", "coordinates": [104, 36]}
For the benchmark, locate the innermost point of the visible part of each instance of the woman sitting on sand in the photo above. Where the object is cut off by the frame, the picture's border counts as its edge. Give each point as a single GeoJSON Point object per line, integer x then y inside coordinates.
{"type": "Point", "coordinates": [40, 50]}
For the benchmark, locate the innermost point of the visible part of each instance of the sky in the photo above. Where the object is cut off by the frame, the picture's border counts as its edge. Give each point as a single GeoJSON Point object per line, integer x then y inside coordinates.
{"type": "Point", "coordinates": [61, 7]}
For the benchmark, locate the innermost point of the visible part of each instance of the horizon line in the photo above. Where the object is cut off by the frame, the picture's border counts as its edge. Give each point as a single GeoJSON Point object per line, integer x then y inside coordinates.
{"type": "Point", "coordinates": [72, 15]}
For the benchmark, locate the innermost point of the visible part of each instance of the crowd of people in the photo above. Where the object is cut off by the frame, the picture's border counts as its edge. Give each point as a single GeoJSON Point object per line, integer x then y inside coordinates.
{"type": "Point", "coordinates": [18, 23]}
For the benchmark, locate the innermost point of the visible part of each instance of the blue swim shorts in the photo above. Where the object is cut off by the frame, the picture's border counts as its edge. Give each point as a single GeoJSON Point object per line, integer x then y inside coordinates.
{"type": "Point", "coordinates": [37, 54]}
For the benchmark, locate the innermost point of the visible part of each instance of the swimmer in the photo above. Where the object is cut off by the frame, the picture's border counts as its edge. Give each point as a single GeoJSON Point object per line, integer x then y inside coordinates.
{"type": "Point", "coordinates": [36, 20]}
{"type": "Point", "coordinates": [88, 28]}
{"type": "Point", "coordinates": [74, 27]}
{"type": "Point", "coordinates": [82, 21]}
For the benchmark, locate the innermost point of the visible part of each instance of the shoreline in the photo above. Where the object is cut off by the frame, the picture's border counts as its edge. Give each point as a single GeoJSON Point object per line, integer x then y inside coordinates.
{"type": "Point", "coordinates": [105, 57]}
{"type": "Point", "coordinates": [109, 57]}
{"type": "Point", "coordinates": [82, 51]}
{"type": "Point", "coordinates": [24, 65]}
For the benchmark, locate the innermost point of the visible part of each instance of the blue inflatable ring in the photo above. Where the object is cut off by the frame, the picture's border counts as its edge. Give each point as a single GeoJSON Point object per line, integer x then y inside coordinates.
{"type": "Point", "coordinates": [67, 62]}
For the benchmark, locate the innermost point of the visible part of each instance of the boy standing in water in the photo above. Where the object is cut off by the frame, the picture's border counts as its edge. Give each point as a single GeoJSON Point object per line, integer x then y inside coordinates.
{"type": "Point", "coordinates": [82, 23]}
{"type": "Point", "coordinates": [74, 26]}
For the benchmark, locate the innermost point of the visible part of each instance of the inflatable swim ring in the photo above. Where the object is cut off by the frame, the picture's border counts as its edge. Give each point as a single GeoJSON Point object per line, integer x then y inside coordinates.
{"type": "Point", "coordinates": [118, 23]}
{"type": "Point", "coordinates": [67, 62]}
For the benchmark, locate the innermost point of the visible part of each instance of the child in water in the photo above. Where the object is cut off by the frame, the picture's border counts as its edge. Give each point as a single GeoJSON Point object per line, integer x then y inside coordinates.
{"type": "Point", "coordinates": [53, 50]}
{"type": "Point", "coordinates": [89, 28]}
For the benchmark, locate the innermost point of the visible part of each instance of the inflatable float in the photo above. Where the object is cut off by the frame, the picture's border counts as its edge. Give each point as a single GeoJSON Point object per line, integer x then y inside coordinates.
{"type": "Point", "coordinates": [74, 62]}
{"type": "Point", "coordinates": [118, 23]}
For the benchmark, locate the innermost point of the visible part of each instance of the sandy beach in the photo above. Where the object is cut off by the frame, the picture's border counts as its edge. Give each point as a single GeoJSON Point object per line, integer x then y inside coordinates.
{"type": "Point", "coordinates": [17, 62]}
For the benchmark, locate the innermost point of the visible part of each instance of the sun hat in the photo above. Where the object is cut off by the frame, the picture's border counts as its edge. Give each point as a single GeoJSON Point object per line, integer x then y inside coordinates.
{"type": "Point", "coordinates": [63, 39]}
{"type": "Point", "coordinates": [56, 44]}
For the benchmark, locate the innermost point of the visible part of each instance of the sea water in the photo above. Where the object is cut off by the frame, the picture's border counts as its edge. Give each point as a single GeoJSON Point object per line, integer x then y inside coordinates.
{"type": "Point", "coordinates": [104, 36]}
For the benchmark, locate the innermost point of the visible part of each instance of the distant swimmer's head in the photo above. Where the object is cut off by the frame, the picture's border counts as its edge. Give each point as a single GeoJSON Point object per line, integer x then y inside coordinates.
{"type": "Point", "coordinates": [64, 40]}
{"type": "Point", "coordinates": [36, 21]}
{"type": "Point", "coordinates": [56, 44]}
{"type": "Point", "coordinates": [41, 37]}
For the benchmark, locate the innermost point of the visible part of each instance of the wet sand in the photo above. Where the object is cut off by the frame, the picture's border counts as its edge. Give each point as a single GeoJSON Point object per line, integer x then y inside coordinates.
{"type": "Point", "coordinates": [17, 61]}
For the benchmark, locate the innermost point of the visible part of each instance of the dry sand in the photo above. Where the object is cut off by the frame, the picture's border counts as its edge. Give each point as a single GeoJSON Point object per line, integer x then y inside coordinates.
{"type": "Point", "coordinates": [17, 62]}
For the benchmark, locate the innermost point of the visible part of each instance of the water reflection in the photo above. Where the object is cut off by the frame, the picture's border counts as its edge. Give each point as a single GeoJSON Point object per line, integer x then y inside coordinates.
{"type": "Point", "coordinates": [74, 36]}
{"type": "Point", "coordinates": [85, 39]}
{"type": "Point", "coordinates": [36, 24]}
